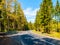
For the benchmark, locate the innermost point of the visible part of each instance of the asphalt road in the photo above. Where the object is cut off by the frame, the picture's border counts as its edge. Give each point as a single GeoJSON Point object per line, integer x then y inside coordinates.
{"type": "Point", "coordinates": [27, 38]}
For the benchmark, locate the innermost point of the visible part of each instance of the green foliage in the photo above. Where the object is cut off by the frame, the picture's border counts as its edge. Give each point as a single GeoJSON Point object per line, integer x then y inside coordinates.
{"type": "Point", "coordinates": [12, 20]}
{"type": "Point", "coordinates": [57, 14]}
{"type": "Point", "coordinates": [31, 26]}
{"type": "Point", "coordinates": [43, 17]}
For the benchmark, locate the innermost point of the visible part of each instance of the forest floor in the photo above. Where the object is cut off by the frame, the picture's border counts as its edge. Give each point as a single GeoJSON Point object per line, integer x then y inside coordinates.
{"type": "Point", "coordinates": [52, 35]}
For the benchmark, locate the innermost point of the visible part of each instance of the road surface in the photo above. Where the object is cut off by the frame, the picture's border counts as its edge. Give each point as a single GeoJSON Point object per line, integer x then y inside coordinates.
{"type": "Point", "coordinates": [28, 38]}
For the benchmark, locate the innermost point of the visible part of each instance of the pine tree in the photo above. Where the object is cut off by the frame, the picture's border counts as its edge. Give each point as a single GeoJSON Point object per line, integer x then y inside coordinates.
{"type": "Point", "coordinates": [12, 20]}
{"type": "Point", "coordinates": [37, 21]}
{"type": "Point", "coordinates": [31, 26]}
{"type": "Point", "coordinates": [0, 14]}
{"type": "Point", "coordinates": [2, 10]}
{"type": "Point", "coordinates": [57, 14]}
{"type": "Point", "coordinates": [22, 22]}
{"type": "Point", "coordinates": [44, 18]}
{"type": "Point", "coordinates": [15, 13]}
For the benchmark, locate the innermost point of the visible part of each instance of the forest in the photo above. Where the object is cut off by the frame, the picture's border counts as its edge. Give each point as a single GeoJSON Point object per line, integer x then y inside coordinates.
{"type": "Point", "coordinates": [13, 18]}
{"type": "Point", "coordinates": [48, 17]}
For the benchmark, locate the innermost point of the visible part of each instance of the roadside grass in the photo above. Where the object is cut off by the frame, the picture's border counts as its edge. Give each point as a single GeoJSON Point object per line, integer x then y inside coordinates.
{"type": "Point", "coordinates": [53, 34]}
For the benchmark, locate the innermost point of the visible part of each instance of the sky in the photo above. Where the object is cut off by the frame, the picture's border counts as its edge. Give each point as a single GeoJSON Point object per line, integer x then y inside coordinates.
{"type": "Point", "coordinates": [30, 7]}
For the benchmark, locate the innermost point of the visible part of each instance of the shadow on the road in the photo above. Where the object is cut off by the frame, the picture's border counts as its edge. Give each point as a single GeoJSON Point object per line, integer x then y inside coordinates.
{"type": "Point", "coordinates": [27, 39]}
{"type": "Point", "coordinates": [54, 41]}
{"type": "Point", "coordinates": [31, 40]}
{"type": "Point", "coordinates": [11, 32]}
{"type": "Point", "coordinates": [8, 41]}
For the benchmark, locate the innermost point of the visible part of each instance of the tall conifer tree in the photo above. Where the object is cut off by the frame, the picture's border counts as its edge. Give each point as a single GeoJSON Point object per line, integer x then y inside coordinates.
{"type": "Point", "coordinates": [57, 14]}
{"type": "Point", "coordinates": [45, 15]}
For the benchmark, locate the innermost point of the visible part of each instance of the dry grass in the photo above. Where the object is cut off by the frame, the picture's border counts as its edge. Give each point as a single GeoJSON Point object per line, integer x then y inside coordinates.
{"type": "Point", "coordinates": [54, 34]}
